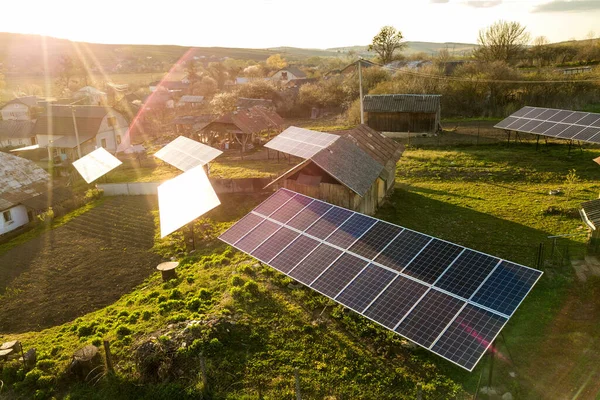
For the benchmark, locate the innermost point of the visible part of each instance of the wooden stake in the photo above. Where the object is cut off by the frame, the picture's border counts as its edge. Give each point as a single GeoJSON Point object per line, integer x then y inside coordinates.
{"type": "Point", "coordinates": [109, 363]}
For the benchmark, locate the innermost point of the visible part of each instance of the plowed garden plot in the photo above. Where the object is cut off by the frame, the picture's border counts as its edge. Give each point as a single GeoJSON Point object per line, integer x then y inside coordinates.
{"type": "Point", "coordinates": [79, 267]}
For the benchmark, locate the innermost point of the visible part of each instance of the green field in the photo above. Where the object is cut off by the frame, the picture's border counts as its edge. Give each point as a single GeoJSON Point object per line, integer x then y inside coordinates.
{"type": "Point", "coordinates": [255, 327]}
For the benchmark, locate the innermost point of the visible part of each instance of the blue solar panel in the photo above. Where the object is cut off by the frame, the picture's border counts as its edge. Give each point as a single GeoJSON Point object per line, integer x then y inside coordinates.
{"type": "Point", "coordinates": [468, 336]}
{"type": "Point", "coordinates": [429, 317]}
{"type": "Point", "coordinates": [363, 290]}
{"type": "Point", "coordinates": [309, 215]}
{"type": "Point", "coordinates": [444, 297]}
{"type": "Point", "coordinates": [351, 230]}
{"type": "Point", "coordinates": [329, 222]}
{"type": "Point", "coordinates": [433, 260]}
{"type": "Point", "coordinates": [467, 273]}
{"type": "Point", "coordinates": [506, 287]}
{"type": "Point", "coordinates": [338, 275]}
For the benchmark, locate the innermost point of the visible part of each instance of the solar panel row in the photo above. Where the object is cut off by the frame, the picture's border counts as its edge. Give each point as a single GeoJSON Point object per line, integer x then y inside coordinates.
{"type": "Point", "coordinates": [562, 124]}
{"type": "Point", "coordinates": [440, 295]}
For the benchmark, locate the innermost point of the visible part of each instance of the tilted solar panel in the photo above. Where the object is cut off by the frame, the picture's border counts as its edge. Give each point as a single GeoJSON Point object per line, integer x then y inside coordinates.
{"type": "Point", "coordinates": [449, 299]}
{"type": "Point", "coordinates": [185, 153]}
{"type": "Point", "coordinates": [96, 164]}
{"type": "Point", "coordinates": [301, 142]}
{"type": "Point", "coordinates": [561, 124]}
{"type": "Point", "coordinates": [187, 197]}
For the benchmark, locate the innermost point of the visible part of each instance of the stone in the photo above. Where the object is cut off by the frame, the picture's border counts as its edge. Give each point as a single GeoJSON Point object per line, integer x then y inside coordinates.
{"type": "Point", "coordinates": [490, 391]}
{"type": "Point", "coordinates": [507, 396]}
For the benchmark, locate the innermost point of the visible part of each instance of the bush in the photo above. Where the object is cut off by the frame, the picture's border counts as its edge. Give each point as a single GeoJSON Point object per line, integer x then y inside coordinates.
{"type": "Point", "coordinates": [175, 294]}
{"type": "Point", "coordinates": [32, 377]}
{"type": "Point", "coordinates": [205, 294]}
{"type": "Point", "coordinates": [123, 330]}
{"type": "Point", "coordinates": [86, 330]}
{"type": "Point", "coordinates": [237, 280]}
{"type": "Point", "coordinates": [146, 315]}
{"type": "Point", "coordinates": [252, 287]}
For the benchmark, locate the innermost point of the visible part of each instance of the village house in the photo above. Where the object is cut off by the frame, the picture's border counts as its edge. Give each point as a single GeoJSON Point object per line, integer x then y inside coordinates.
{"type": "Point", "coordinates": [96, 127]}
{"type": "Point", "coordinates": [20, 180]}
{"type": "Point", "coordinates": [21, 108]}
{"type": "Point", "coordinates": [16, 133]}
{"type": "Point", "coordinates": [190, 101]}
{"type": "Point", "coordinates": [414, 113]}
{"type": "Point", "coordinates": [356, 171]}
{"type": "Point", "coordinates": [89, 95]}
{"type": "Point", "coordinates": [288, 73]}
{"type": "Point", "coordinates": [240, 128]}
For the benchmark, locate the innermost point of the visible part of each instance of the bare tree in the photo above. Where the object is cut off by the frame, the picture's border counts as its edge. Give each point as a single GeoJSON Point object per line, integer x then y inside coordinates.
{"type": "Point", "coordinates": [502, 41]}
{"type": "Point", "coordinates": [540, 50]}
{"type": "Point", "coordinates": [386, 42]}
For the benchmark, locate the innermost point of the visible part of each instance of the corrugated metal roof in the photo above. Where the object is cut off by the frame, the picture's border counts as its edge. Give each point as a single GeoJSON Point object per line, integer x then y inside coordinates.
{"type": "Point", "coordinates": [590, 212]}
{"type": "Point", "coordinates": [253, 120]}
{"type": "Point", "coordinates": [293, 69]}
{"type": "Point", "coordinates": [58, 120]}
{"type": "Point", "coordinates": [351, 166]}
{"type": "Point", "coordinates": [244, 102]}
{"type": "Point", "coordinates": [423, 103]}
{"type": "Point", "coordinates": [191, 99]}
{"type": "Point", "coordinates": [382, 149]}
{"type": "Point", "coordinates": [29, 101]}
{"type": "Point", "coordinates": [16, 129]}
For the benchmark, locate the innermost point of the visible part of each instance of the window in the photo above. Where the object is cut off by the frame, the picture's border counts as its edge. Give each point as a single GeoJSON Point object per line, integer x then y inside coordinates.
{"type": "Point", "coordinates": [103, 143]}
{"type": "Point", "coordinates": [7, 217]}
{"type": "Point", "coordinates": [63, 151]}
{"type": "Point", "coordinates": [112, 121]}
{"type": "Point", "coordinates": [118, 139]}
{"type": "Point", "coordinates": [284, 76]}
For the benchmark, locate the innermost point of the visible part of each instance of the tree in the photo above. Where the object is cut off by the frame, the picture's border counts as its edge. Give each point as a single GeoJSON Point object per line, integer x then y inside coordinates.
{"type": "Point", "coordinates": [218, 72]}
{"type": "Point", "coordinates": [192, 71]}
{"type": "Point", "coordinates": [276, 62]}
{"type": "Point", "coordinates": [540, 51]}
{"type": "Point", "coordinates": [67, 70]}
{"type": "Point", "coordinates": [386, 42]}
{"type": "Point", "coordinates": [502, 41]}
{"type": "Point", "coordinates": [223, 103]}
{"type": "Point", "coordinates": [207, 86]}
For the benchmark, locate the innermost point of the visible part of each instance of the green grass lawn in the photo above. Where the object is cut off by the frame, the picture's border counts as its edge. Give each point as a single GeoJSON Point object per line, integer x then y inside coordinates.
{"type": "Point", "coordinates": [255, 327]}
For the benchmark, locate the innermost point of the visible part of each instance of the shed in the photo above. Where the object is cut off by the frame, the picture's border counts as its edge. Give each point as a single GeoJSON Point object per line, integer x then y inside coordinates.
{"type": "Point", "coordinates": [355, 171]}
{"type": "Point", "coordinates": [17, 133]}
{"type": "Point", "coordinates": [191, 101]}
{"type": "Point", "coordinates": [418, 113]}
{"type": "Point", "coordinates": [288, 73]}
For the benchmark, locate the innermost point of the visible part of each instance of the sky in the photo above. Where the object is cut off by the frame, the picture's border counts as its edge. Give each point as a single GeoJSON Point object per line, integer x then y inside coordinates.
{"type": "Point", "coordinates": [307, 23]}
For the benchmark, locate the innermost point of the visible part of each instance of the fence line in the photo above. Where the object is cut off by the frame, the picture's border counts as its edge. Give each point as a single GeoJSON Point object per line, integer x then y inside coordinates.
{"type": "Point", "coordinates": [221, 186]}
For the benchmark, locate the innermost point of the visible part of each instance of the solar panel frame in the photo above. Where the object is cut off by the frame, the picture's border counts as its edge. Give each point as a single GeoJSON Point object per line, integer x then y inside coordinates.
{"type": "Point", "coordinates": [373, 310]}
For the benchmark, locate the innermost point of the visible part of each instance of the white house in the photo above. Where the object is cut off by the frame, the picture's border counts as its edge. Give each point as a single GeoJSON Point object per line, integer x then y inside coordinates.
{"type": "Point", "coordinates": [20, 180]}
{"type": "Point", "coordinates": [96, 127]}
{"type": "Point", "coordinates": [288, 73]}
{"type": "Point", "coordinates": [19, 108]}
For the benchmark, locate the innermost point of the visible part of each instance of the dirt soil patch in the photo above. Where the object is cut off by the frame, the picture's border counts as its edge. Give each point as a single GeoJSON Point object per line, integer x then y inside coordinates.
{"type": "Point", "coordinates": [77, 268]}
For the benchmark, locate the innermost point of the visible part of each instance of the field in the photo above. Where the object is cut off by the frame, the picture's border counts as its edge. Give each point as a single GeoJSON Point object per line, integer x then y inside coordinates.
{"type": "Point", "coordinates": [79, 267]}
{"type": "Point", "coordinates": [258, 326]}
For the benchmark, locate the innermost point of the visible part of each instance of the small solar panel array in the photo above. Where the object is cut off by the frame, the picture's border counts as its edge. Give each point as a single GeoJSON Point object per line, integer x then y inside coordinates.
{"type": "Point", "coordinates": [562, 124]}
{"type": "Point", "coordinates": [449, 299]}
{"type": "Point", "coordinates": [185, 153]}
{"type": "Point", "coordinates": [301, 142]}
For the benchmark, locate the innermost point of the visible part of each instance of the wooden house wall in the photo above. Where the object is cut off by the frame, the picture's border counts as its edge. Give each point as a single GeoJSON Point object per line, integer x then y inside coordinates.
{"type": "Point", "coordinates": [402, 122]}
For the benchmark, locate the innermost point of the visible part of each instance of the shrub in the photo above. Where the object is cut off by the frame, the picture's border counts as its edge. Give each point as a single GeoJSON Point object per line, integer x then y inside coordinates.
{"type": "Point", "coordinates": [123, 330]}
{"type": "Point", "coordinates": [45, 381]}
{"type": "Point", "coordinates": [86, 330]}
{"type": "Point", "coordinates": [194, 304]}
{"type": "Point", "coordinates": [176, 294]}
{"type": "Point", "coordinates": [237, 280]}
{"type": "Point", "coordinates": [32, 377]}
{"type": "Point", "coordinates": [205, 294]}
{"type": "Point", "coordinates": [123, 314]}
{"type": "Point", "coordinates": [252, 287]}
{"type": "Point", "coordinates": [146, 315]}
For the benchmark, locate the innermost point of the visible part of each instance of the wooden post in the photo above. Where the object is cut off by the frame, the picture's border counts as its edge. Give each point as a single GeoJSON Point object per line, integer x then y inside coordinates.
{"type": "Point", "coordinates": [108, 355]}
{"type": "Point", "coordinates": [491, 372]}
{"type": "Point", "coordinates": [297, 379]}
{"type": "Point", "coordinates": [419, 392]}
{"type": "Point", "coordinates": [203, 372]}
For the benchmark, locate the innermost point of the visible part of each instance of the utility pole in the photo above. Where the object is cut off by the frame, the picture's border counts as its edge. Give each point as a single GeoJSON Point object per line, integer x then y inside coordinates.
{"type": "Point", "coordinates": [362, 107]}
{"type": "Point", "coordinates": [76, 132]}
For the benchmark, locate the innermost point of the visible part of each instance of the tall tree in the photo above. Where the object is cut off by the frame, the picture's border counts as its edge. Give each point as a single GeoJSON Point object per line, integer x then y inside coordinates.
{"type": "Point", "coordinates": [502, 41]}
{"type": "Point", "coordinates": [276, 62]}
{"type": "Point", "coordinates": [191, 70]}
{"type": "Point", "coordinates": [386, 42]}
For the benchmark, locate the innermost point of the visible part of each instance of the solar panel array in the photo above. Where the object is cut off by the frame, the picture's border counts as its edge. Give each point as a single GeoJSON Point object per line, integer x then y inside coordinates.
{"type": "Point", "coordinates": [185, 153]}
{"type": "Point", "coordinates": [185, 198]}
{"type": "Point", "coordinates": [96, 164]}
{"type": "Point", "coordinates": [562, 124]}
{"type": "Point", "coordinates": [449, 299]}
{"type": "Point", "coordinates": [301, 142]}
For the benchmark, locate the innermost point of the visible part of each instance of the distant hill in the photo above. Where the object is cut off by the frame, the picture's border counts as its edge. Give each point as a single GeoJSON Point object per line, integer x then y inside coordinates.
{"type": "Point", "coordinates": [429, 48]}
